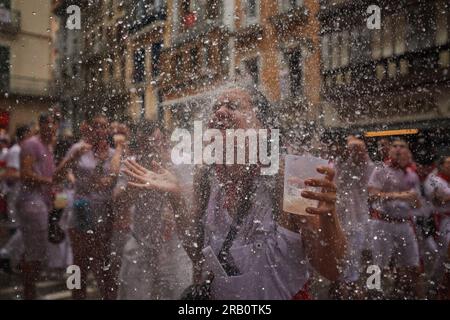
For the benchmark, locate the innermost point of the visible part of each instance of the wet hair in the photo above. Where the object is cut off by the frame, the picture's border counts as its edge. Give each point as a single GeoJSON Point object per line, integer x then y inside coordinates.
{"type": "Point", "coordinates": [441, 161]}
{"type": "Point", "coordinates": [91, 119]}
{"type": "Point", "coordinates": [45, 118]}
{"type": "Point", "coordinates": [22, 131]}
{"type": "Point", "coordinates": [398, 139]}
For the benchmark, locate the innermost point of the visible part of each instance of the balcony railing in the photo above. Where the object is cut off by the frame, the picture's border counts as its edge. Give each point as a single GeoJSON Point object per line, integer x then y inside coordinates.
{"type": "Point", "coordinates": [399, 72]}
{"type": "Point", "coordinates": [9, 21]}
{"type": "Point", "coordinates": [139, 21]}
{"type": "Point", "coordinates": [28, 86]}
{"type": "Point", "coordinates": [200, 21]}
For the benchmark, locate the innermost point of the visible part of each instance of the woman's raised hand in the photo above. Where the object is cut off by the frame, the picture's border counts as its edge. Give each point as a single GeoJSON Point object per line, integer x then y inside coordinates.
{"type": "Point", "coordinates": [159, 179]}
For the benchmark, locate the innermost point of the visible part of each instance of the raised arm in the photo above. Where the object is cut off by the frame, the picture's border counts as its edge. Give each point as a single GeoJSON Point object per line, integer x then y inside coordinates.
{"type": "Point", "coordinates": [68, 162]}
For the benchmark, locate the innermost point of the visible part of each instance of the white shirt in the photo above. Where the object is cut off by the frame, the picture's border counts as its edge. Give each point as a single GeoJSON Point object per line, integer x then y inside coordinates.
{"type": "Point", "coordinates": [389, 179]}
{"type": "Point", "coordinates": [270, 258]}
{"type": "Point", "coordinates": [437, 187]}
{"type": "Point", "coordinates": [13, 157]}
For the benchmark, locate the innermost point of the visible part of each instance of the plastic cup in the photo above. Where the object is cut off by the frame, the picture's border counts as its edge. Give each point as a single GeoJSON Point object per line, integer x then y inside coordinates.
{"type": "Point", "coordinates": [297, 170]}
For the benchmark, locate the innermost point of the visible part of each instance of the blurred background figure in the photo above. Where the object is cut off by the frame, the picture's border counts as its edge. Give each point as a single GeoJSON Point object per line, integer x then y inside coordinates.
{"type": "Point", "coordinates": [437, 189]}
{"type": "Point", "coordinates": [11, 252]}
{"type": "Point", "coordinates": [396, 188]}
{"type": "Point", "coordinates": [34, 201]}
{"type": "Point", "coordinates": [353, 170]}
{"type": "Point", "coordinates": [94, 166]}
{"type": "Point", "coordinates": [383, 149]}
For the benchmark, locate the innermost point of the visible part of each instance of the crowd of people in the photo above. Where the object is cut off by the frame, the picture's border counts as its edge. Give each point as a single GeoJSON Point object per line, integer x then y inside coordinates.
{"type": "Point", "coordinates": [113, 204]}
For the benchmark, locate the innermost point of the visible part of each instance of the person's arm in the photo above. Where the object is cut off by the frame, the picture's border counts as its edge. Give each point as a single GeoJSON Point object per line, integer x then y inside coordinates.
{"type": "Point", "coordinates": [325, 241]}
{"type": "Point", "coordinates": [408, 196]}
{"type": "Point", "coordinates": [69, 161]}
{"type": "Point", "coordinates": [442, 193]}
{"type": "Point", "coordinates": [27, 173]}
{"type": "Point", "coordinates": [322, 235]}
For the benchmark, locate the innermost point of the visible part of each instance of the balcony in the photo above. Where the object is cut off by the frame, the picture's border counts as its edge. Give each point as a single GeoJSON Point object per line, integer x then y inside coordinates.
{"type": "Point", "coordinates": [140, 20]}
{"type": "Point", "coordinates": [201, 21]}
{"type": "Point", "coordinates": [26, 86]}
{"type": "Point", "coordinates": [115, 86]}
{"type": "Point", "coordinates": [96, 50]}
{"type": "Point", "coordinates": [9, 21]}
{"type": "Point", "coordinates": [428, 67]}
{"type": "Point", "coordinates": [288, 18]}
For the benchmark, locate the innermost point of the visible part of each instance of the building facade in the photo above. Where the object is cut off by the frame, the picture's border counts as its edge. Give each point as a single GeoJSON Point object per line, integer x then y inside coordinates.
{"type": "Point", "coordinates": [90, 62]}
{"type": "Point", "coordinates": [188, 50]}
{"type": "Point", "coordinates": [25, 61]}
{"type": "Point", "coordinates": [389, 78]}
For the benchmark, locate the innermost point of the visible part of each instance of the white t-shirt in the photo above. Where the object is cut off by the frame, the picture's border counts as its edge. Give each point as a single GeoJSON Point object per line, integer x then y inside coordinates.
{"type": "Point", "coordinates": [389, 179]}
{"type": "Point", "coordinates": [13, 157]}
{"type": "Point", "coordinates": [436, 186]}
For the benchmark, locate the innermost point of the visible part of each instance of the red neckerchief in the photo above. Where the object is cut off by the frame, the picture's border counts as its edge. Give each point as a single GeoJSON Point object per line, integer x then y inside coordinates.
{"type": "Point", "coordinates": [443, 176]}
{"type": "Point", "coordinates": [412, 166]}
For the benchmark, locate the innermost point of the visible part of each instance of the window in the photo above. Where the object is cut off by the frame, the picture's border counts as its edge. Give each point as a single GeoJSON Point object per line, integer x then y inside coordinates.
{"type": "Point", "coordinates": [185, 7]}
{"type": "Point", "coordinates": [110, 9]}
{"type": "Point", "coordinates": [326, 52]}
{"type": "Point", "coordinates": [421, 32]}
{"type": "Point", "coordinates": [287, 5]}
{"type": "Point", "coordinates": [252, 68]}
{"type": "Point", "coordinates": [345, 43]}
{"type": "Point", "coordinates": [194, 58]}
{"type": "Point", "coordinates": [4, 68]}
{"type": "Point", "coordinates": [294, 60]}
{"type": "Point", "coordinates": [335, 51]}
{"type": "Point", "coordinates": [110, 70]}
{"type": "Point", "coordinates": [360, 45]}
{"type": "Point", "coordinates": [252, 12]}
{"type": "Point", "coordinates": [212, 9]}
{"type": "Point", "coordinates": [399, 38]}
{"type": "Point", "coordinates": [442, 22]}
{"type": "Point", "coordinates": [139, 66]}
{"type": "Point", "coordinates": [156, 56]}
{"type": "Point", "coordinates": [5, 4]}
{"type": "Point", "coordinates": [387, 37]}
{"type": "Point", "coordinates": [142, 105]}
{"type": "Point", "coordinates": [178, 63]}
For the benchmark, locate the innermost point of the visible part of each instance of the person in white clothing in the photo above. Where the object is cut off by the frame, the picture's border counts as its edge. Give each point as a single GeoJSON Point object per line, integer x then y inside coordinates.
{"type": "Point", "coordinates": [396, 188]}
{"type": "Point", "coordinates": [11, 252]}
{"type": "Point", "coordinates": [437, 189]}
{"type": "Point", "coordinates": [353, 170]}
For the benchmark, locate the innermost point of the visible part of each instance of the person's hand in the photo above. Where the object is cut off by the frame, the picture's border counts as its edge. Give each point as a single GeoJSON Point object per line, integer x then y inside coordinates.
{"type": "Point", "coordinates": [160, 179]}
{"type": "Point", "coordinates": [326, 197]}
